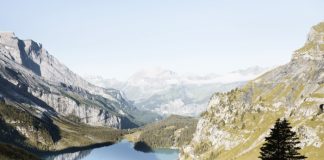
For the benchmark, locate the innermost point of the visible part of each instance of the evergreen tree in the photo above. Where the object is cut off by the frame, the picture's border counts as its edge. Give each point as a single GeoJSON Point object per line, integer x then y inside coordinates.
{"type": "Point", "coordinates": [281, 144]}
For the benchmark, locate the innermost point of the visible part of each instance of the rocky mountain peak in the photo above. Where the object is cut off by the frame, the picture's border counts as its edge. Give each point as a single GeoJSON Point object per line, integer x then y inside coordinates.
{"type": "Point", "coordinates": [7, 35]}
{"type": "Point", "coordinates": [314, 46]}
{"type": "Point", "coordinates": [9, 39]}
{"type": "Point", "coordinates": [33, 56]}
{"type": "Point", "coordinates": [23, 52]}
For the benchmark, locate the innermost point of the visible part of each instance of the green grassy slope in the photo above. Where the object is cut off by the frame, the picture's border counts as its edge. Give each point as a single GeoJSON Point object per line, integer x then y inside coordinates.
{"type": "Point", "coordinates": [174, 131]}
{"type": "Point", "coordinates": [21, 128]}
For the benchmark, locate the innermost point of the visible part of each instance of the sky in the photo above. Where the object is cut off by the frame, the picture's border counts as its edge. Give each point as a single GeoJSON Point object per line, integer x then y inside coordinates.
{"type": "Point", "coordinates": [114, 39]}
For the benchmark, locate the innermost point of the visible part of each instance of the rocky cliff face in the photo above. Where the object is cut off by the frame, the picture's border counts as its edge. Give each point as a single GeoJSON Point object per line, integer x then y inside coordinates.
{"type": "Point", "coordinates": [32, 78]}
{"type": "Point", "coordinates": [236, 122]}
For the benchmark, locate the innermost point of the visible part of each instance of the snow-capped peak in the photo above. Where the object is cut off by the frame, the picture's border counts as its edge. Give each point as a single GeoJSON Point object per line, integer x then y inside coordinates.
{"type": "Point", "coordinates": [154, 73]}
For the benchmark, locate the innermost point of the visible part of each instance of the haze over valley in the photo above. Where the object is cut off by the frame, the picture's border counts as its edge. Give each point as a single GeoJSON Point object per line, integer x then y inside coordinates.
{"type": "Point", "coordinates": [166, 92]}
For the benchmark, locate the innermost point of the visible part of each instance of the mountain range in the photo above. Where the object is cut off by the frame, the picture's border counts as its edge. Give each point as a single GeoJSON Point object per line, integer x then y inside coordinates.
{"type": "Point", "coordinates": [45, 107]}
{"type": "Point", "coordinates": [166, 92]}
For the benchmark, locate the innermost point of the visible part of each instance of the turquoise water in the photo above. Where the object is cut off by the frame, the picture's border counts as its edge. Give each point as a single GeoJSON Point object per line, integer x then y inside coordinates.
{"type": "Point", "coordinates": [120, 151]}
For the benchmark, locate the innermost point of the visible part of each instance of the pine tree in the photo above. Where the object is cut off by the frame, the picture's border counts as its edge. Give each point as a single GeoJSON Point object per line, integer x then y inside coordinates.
{"type": "Point", "coordinates": [281, 144]}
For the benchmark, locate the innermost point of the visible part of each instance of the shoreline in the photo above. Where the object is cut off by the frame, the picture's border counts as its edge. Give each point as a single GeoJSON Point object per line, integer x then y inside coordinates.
{"type": "Point", "coordinates": [45, 154]}
{"type": "Point", "coordinates": [72, 149]}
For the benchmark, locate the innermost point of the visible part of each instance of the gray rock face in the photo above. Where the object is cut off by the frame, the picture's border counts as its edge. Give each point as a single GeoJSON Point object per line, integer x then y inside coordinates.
{"type": "Point", "coordinates": [32, 77]}
{"type": "Point", "coordinates": [314, 46]}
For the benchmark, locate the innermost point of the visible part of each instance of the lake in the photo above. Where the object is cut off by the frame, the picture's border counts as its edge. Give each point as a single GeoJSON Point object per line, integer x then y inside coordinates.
{"type": "Point", "coordinates": [123, 150]}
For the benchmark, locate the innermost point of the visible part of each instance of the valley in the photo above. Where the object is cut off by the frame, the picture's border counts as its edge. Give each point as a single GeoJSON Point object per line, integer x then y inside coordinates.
{"type": "Point", "coordinates": [203, 103]}
{"type": "Point", "coordinates": [45, 108]}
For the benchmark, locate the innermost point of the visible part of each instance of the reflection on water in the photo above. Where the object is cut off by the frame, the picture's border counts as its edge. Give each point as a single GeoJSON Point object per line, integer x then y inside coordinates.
{"type": "Point", "coordinates": [70, 156]}
{"type": "Point", "coordinates": [123, 150]}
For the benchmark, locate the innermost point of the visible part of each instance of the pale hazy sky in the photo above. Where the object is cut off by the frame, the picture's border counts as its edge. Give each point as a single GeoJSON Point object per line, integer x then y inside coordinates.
{"type": "Point", "coordinates": [115, 38]}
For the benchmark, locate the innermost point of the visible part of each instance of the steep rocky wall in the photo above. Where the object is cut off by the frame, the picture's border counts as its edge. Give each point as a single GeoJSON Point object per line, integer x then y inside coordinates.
{"type": "Point", "coordinates": [30, 75]}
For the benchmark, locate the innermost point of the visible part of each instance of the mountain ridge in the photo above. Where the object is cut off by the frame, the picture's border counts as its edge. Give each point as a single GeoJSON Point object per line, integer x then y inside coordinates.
{"type": "Point", "coordinates": [166, 92]}
{"type": "Point", "coordinates": [26, 57]}
{"type": "Point", "coordinates": [44, 106]}
{"type": "Point", "coordinates": [236, 122]}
